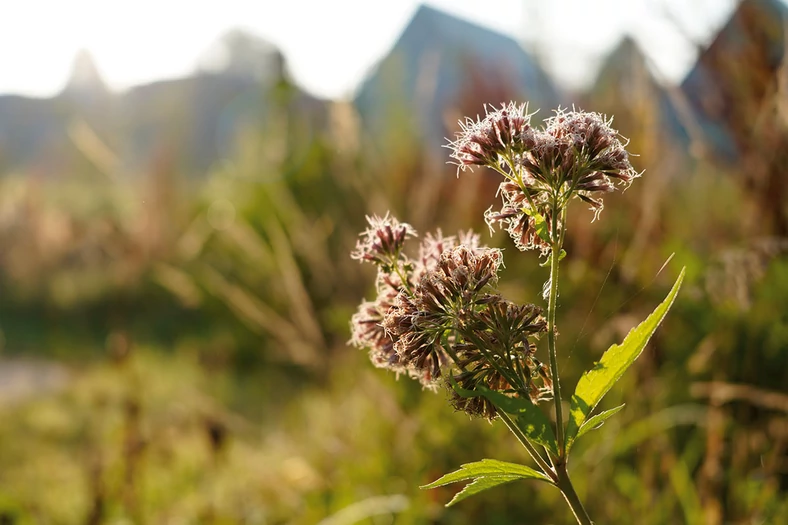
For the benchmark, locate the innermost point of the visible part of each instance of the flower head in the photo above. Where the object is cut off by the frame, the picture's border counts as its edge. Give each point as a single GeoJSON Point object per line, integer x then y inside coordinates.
{"type": "Point", "coordinates": [367, 332]}
{"type": "Point", "coordinates": [592, 154]}
{"type": "Point", "coordinates": [504, 131]}
{"type": "Point", "coordinates": [366, 325]}
{"type": "Point", "coordinates": [417, 335]}
{"type": "Point", "coordinates": [419, 301]}
{"type": "Point", "coordinates": [459, 281]}
{"type": "Point", "coordinates": [499, 354]}
{"type": "Point", "coordinates": [433, 246]}
{"type": "Point", "coordinates": [382, 242]}
{"type": "Point", "coordinates": [440, 314]}
{"type": "Point", "coordinates": [430, 250]}
{"type": "Point", "coordinates": [575, 154]}
{"type": "Point", "coordinates": [446, 296]}
{"type": "Point", "coordinates": [518, 216]}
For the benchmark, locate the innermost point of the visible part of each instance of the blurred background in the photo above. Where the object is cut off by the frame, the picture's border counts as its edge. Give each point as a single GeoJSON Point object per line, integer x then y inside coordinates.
{"type": "Point", "coordinates": [181, 185]}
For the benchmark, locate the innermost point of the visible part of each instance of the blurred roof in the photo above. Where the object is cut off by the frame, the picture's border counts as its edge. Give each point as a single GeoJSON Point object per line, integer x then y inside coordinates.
{"type": "Point", "coordinates": [435, 59]}
{"type": "Point", "coordinates": [192, 121]}
{"type": "Point", "coordinates": [625, 87]}
{"type": "Point", "coordinates": [734, 73]}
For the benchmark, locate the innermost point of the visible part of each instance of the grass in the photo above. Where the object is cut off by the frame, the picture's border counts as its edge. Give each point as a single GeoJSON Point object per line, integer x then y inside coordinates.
{"type": "Point", "coordinates": [210, 380]}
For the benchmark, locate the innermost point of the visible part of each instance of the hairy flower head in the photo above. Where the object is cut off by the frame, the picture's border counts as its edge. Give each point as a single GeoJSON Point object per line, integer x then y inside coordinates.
{"type": "Point", "coordinates": [366, 325]}
{"type": "Point", "coordinates": [575, 154]}
{"type": "Point", "coordinates": [459, 280]}
{"type": "Point", "coordinates": [591, 153]}
{"type": "Point", "coordinates": [382, 242]}
{"type": "Point", "coordinates": [520, 215]}
{"type": "Point", "coordinates": [498, 353]}
{"type": "Point", "coordinates": [503, 131]}
{"type": "Point", "coordinates": [421, 322]}
{"type": "Point", "coordinates": [417, 336]}
{"type": "Point", "coordinates": [441, 312]}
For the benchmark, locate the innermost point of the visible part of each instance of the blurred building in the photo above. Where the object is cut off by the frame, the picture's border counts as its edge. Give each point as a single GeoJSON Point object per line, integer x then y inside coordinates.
{"type": "Point", "coordinates": [442, 68]}
{"type": "Point", "coordinates": [736, 74]}
{"type": "Point", "coordinates": [188, 124]}
{"type": "Point", "coordinates": [644, 109]}
{"type": "Point", "coordinates": [738, 95]}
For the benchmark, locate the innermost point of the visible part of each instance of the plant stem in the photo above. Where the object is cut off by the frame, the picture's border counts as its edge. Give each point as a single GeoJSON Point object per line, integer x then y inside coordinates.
{"type": "Point", "coordinates": [562, 475]}
{"type": "Point", "coordinates": [559, 475]}
{"type": "Point", "coordinates": [528, 446]}
{"type": "Point", "coordinates": [565, 485]}
{"type": "Point", "coordinates": [402, 277]}
{"type": "Point", "coordinates": [551, 307]}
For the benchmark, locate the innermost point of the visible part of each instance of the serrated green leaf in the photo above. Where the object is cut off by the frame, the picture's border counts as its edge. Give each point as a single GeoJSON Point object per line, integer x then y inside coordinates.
{"type": "Point", "coordinates": [595, 383]}
{"type": "Point", "coordinates": [529, 418]}
{"type": "Point", "coordinates": [485, 474]}
{"type": "Point", "coordinates": [478, 485]}
{"type": "Point", "coordinates": [597, 421]}
{"type": "Point", "coordinates": [486, 468]}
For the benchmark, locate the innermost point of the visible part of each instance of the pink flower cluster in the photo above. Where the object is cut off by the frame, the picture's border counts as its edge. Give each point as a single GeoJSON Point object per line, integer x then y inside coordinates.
{"type": "Point", "coordinates": [575, 154]}
{"type": "Point", "coordinates": [440, 311]}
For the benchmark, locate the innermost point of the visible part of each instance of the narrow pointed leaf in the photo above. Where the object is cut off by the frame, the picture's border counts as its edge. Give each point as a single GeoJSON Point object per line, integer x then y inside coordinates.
{"type": "Point", "coordinates": [528, 417]}
{"type": "Point", "coordinates": [485, 474]}
{"type": "Point", "coordinates": [595, 383]}
{"type": "Point", "coordinates": [486, 468]}
{"type": "Point", "coordinates": [597, 421]}
{"type": "Point", "coordinates": [478, 485]}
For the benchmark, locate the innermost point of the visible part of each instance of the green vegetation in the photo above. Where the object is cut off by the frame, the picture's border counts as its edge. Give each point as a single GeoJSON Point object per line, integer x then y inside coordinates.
{"type": "Point", "coordinates": [203, 327]}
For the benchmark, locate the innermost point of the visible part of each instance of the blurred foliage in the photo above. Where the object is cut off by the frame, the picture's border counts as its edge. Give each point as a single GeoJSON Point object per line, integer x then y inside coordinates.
{"type": "Point", "coordinates": [203, 324]}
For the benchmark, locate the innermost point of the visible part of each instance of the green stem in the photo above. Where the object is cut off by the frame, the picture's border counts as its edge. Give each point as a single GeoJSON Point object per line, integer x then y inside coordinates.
{"type": "Point", "coordinates": [546, 469]}
{"type": "Point", "coordinates": [551, 308]}
{"type": "Point", "coordinates": [402, 277]}
{"type": "Point", "coordinates": [562, 482]}
{"type": "Point", "coordinates": [565, 485]}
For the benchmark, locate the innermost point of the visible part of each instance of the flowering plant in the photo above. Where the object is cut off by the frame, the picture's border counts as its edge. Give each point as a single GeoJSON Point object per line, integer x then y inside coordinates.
{"type": "Point", "coordinates": [439, 319]}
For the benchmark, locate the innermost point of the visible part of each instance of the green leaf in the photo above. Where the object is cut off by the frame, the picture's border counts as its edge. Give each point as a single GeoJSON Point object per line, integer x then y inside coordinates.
{"type": "Point", "coordinates": [485, 474]}
{"type": "Point", "coordinates": [596, 382]}
{"type": "Point", "coordinates": [597, 421]}
{"type": "Point", "coordinates": [486, 468]}
{"type": "Point", "coordinates": [529, 418]}
{"type": "Point", "coordinates": [478, 485]}
{"type": "Point", "coordinates": [547, 262]}
{"type": "Point", "coordinates": [540, 224]}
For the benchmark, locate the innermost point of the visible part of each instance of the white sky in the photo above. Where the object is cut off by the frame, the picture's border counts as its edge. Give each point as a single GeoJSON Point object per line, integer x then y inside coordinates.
{"type": "Point", "coordinates": [329, 44]}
